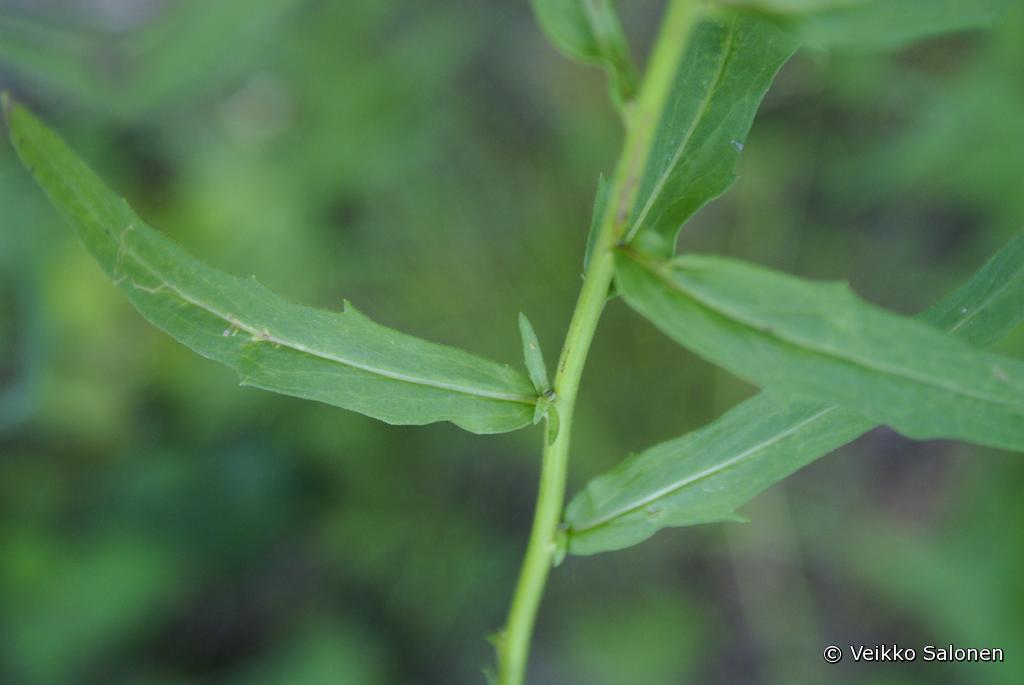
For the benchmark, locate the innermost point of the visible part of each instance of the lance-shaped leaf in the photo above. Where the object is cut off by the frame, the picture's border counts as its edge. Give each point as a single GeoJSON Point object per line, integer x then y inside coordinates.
{"type": "Point", "coordinates": [819, 342]}
{"type": "Point", "coordinates": [704, 476]}
{"type": "Point", "coordinates": [875, 24]}
{"type": "Point", "coordinates": [728, 63]}
{"type": "Point", "coordinates": [590, 31]}
{"type": "Point", "coordinates": [341, 358]}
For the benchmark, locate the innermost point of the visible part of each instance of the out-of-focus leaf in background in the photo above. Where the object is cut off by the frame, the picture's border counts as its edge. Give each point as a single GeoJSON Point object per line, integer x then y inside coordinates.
{"type": "Point", "coordinates": [185, 50]}
{"type": "Point", "coordinates": [875, 24]}
{"type": "Point", "coordinates": [590, 31]}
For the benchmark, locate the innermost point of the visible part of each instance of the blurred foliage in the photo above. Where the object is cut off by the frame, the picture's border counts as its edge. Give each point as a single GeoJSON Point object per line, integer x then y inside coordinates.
{"type": "Point", "coordinates": [435, 162]}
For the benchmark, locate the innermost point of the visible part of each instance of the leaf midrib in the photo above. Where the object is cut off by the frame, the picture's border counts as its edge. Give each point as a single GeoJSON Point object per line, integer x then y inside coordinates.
{"type": "Point", "coordinates": [701, 475]}
{"type": "Point", "coordinates": [838, 355]}
{"type": "Point", "coordinates": [264, 335]}
{"type": "Point", "coordinates": [681, 148]}
{"type": "Point", "coordinates": [994, 295]}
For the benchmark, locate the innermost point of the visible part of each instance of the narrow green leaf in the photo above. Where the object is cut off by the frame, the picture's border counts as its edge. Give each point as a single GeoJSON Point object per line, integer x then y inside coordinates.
{"type": "Point", "coordinates": [875, 24]}
{"type": "Point", "coordinates": [704, 476]}
{"type": "Point", "coordinates": [590, 31]}
{"type": "Point", "coordinates": [533, 356]}
{"type": "Point", "coordinates": [730, 60]}
{"type": "Point", "coordinates": [344, 359]}
{"type": "Point", "coordinates": [819, 342]}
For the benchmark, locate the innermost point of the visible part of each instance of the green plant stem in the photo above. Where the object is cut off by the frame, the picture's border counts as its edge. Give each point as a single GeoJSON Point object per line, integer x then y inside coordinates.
{"type": "Point", "coordinates": [542, 549]}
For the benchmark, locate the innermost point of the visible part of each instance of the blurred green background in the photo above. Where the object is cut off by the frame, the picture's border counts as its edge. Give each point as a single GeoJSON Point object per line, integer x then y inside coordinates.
{"type": "Point", "coordinates": [435, 163]}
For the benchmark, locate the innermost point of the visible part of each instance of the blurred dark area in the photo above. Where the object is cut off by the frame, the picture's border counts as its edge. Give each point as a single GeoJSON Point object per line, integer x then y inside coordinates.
{"type": "Point", "coordinates": [435, 163]}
